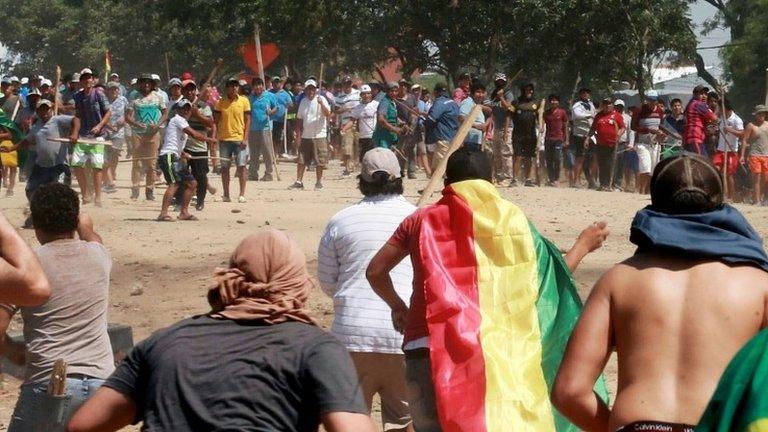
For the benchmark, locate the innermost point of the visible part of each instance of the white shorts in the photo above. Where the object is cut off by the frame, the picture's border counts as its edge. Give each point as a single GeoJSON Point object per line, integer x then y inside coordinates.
{"type": "Point", "coordinates": [647, 156]}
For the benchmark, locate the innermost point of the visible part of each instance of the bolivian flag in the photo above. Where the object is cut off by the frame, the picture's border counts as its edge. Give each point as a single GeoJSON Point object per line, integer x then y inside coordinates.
{"type": "Point", "coordinates": [740, 403]}
{"type": "Point", "coordinates": [11, 126]}
{"type": "Point", "coordinates": [501, 305]}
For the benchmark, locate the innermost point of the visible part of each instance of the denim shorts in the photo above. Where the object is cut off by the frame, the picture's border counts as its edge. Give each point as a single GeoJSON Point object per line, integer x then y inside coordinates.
{"type": "Point", "coordinates": [36, 410]}
{"type": "Point", "coordinates": [230, 149]}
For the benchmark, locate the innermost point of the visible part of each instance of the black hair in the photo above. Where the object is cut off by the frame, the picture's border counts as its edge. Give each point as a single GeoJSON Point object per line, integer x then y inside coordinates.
{"type": "Point", "coordinates": [713, 95]}
{"type": "Point", "coordinates": [553, 96]}
{"type": "Point", "coordinates": [381, 185]}
{"type": "Point", "coordinates": [686, 184]}
{"type": "Point", "coordinates": [256, 81]}
{"type": "Point", "coordinates": [440, 87]}
{"type": "Point", "coordinates": [468, 164]}
{"type": "Point", "coordinates": [728, 105]}
{"type": "Point", "coordinates": [676, 100]}
{"type": "Point", "coordinates": [55, 209]}
{"type": "Point", "coordinates": [477, 85]}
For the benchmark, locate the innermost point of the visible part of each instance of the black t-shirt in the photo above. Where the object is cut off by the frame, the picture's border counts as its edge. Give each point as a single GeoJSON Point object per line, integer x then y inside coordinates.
{"type": "Point", "coordinates": [205, 374]}
{"type": "Point", "coordinates": [525, 118]}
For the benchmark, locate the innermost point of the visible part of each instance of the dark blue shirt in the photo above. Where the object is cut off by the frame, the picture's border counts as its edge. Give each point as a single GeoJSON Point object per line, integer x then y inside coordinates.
{"type": "Point", "coordinates": [442, 121]}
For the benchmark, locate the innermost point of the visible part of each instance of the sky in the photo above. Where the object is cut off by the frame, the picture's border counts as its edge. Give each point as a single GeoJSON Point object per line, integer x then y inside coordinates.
{"type": "Point", "coordinates": [700, 12]}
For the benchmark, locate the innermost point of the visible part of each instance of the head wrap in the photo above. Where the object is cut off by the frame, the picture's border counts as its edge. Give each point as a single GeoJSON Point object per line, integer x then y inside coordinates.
{"type": "Point", "coordinates": [266, 280]}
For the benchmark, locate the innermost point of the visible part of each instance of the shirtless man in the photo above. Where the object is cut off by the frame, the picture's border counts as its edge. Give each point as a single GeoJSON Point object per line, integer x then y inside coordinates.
{"type": "Point", "coordinates": [676, 312]}
{"type": "Point", "coordinates": [755, 151]}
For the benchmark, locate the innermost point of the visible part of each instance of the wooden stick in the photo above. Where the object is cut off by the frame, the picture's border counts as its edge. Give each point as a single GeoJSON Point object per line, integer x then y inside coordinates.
{"type": "Point", "coordinates": [216, 66]}
{"type": "Point", "coordinates": [167, 68]}
{"type": "Point", "coordinates": [458, 140]}
{"type": "Point", "coordinates": [270, 148]}
{"type": "Point", "coordinates": [725, 138]}
{"type": "Point", "coordinates": [56, 91]}
{"type": "Point", "coordinates": [81, 141]}
{"type": "Point", "coordinates": [766, 86]}
{"type": "Point", "coordinates": [320, 78]}
{"type": "Point", "coordinates": [540, 140]}
{"type": "Point", "coordinates": [57, 383]}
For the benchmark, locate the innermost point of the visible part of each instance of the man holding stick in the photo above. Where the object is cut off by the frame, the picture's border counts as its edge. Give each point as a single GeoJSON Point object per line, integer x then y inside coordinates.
{"type": "Point", "coordinates": [201, 120]}
{"type": "Point", "coordinates": [92, 108]}
{"type": "Point", "coordinates": [232, 115]}
{"type": "Point", "coordinates": [173, 161]}
{"type": "Point", "coordinates": [145, 114]}
{"type": "Point", "coordinates": [312, 127]}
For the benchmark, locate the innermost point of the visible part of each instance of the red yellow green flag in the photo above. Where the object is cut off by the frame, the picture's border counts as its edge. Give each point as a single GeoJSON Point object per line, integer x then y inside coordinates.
{"type": "Point", "coordinates": [501, 305]}
{"type": "Point", "coordinates": [740, 403]}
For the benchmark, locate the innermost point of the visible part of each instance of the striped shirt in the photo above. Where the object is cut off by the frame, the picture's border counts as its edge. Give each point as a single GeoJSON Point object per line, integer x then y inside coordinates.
{"type": "Point", "coordinates": [362, 321]}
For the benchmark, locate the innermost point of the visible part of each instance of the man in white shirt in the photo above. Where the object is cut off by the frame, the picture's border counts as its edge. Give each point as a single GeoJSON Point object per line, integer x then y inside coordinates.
{"type": "Point", "coordinates": [173, 161]}
{"type": "Point", "coordinates": [312, 127]}
{"type": "Point", "coordinates": [345, 102]}
{"type": "Point", "coordinates": [362, 321]}
{"type": "Point", "coordinates": [364, 117]}
{"type": "Point", "coordinates": [582, 114]}
{"type": "Point", "coordinates": [730, 135]}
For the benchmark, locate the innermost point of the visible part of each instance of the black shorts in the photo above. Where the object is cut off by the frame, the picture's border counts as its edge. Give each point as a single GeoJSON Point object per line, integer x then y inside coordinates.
{"type": "Point", "coordinates": [174, 171]}
{"type": "Point", "coordinates": [576, 147]}
{"type": "Point", "coordinates": [524, 146]}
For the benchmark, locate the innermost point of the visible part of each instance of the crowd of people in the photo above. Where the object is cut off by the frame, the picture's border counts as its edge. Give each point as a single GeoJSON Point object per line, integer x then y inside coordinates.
{"type": "Point", "coordinates": [469, 334]}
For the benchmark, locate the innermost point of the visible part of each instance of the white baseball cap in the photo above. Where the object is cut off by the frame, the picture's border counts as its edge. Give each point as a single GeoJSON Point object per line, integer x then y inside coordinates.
{"type": "Point", "coordinates": [47, 82]}
{"type": "Point", "coordinates": [14, 79]}
{"type": "Point", "coordinates": [310, 82]}
{"type": "Point", "coordinates": [365, 88]}
{"type": "Point", "coordinates": [379, 159]}
{"type": "Point", "coordinates": [86, 71]}
{"type": "Point", "coordinates": [156, 77]}
{"type": "Point", "coordinates": [24, 80]}
{"type": "Point", "coordinates": [619, 102]}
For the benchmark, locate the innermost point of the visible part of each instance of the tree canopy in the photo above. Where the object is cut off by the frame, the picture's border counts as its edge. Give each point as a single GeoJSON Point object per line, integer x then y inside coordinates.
{"type": "Point", "coordinates": [557, 43]}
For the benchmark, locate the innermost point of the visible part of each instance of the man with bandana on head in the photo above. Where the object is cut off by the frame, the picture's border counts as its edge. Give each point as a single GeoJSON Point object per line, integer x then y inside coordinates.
{"type": "Point", "coordinates": [256, 361]}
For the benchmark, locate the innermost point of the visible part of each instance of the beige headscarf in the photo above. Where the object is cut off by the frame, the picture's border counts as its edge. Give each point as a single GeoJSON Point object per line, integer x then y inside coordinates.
{"type": "Point", "coordinates": [267, 280]}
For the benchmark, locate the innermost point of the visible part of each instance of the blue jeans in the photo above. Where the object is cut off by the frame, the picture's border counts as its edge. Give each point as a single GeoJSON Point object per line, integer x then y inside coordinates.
{"type": "Point", "coordinates": [36, 410]}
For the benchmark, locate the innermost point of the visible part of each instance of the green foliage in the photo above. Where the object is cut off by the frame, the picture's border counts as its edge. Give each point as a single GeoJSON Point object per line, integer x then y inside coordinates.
{"type": "Point", "coordinates": [553, 42]}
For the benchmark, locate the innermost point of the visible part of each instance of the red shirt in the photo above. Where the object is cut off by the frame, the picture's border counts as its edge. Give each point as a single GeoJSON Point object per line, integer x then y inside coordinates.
{"type": "Point", "coordinates": [556, 121]}
{"type": "Point", "coordinates": [606, 127]}
{"type": "Point", "coordinates": [406, 236]}
{"type": "Point", "coordinates": [697, 115]}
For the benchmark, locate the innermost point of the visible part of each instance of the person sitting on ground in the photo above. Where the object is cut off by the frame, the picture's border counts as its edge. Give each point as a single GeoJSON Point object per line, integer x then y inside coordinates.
{"type": "Point", "coordinates": [72, 324]}
{"type": "Point", "coordinates": [256, 361]}
{"type": "Point", "coordinates": [173, 161]}
{"type": "Point", "coordinates": [676, 311]}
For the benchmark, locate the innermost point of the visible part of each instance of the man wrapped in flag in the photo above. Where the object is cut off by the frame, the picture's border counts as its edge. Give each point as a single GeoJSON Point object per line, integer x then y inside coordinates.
{"type": "Point", "coordinates": [694, 292]}
{"type": "Point", "coordinates": [492, 308]}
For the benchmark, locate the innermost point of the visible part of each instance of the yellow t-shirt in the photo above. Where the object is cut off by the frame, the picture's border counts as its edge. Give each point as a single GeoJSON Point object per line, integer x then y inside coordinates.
{"type": "Point", "coordinates": [231, 126]}
{"type": "Point", "coordinates": [10, 159]}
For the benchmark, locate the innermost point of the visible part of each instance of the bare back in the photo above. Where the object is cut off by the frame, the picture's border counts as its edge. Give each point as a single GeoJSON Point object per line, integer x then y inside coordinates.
{"type": "Point", "coordinates": [676, 325]}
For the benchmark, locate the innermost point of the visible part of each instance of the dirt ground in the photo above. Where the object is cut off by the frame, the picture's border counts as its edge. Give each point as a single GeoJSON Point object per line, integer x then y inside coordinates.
{"type": "Point", "coordinates": [172, 262]}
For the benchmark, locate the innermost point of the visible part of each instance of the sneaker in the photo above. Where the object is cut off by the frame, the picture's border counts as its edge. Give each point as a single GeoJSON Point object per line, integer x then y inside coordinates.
{"type": "Point", "coordinates": [530, 183]}
{"type": "Point", "coordinates": [513, 183]}
{"type": "Point", "coordinates": [28, 223]}
{"type": "Point", "coordinates": [134, 193]}
{"type": "Point", "coordinates": [318, 186]}
{"type": "Point", "coordinates": [411, 176]}
{"type": "Point", "coordinates": [200, 206]}
{"type": "Point", "coordinates": [150, 194]}
{"type": "Point", "coordinates": [226, 199]}
{"type": "Point", "coordinates": [297, 185]}
{"type": "Point", "coordinates": [241, 199]}
{"type": "Point", "coordinates": [110, 189]}
{"type": "Point", "coordinates": [266, 177]}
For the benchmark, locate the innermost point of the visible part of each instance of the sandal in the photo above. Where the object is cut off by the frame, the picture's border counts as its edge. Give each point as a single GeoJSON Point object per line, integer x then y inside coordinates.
{"type": "Point", "coordinates": [188, 218]}
{"type": "Point", "coordinates": [166, 218]}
